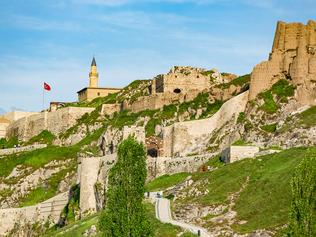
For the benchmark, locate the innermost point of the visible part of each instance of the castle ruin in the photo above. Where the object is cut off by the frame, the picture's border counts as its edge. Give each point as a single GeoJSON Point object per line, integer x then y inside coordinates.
{"type": "Point", "coordinates": [293, 57]}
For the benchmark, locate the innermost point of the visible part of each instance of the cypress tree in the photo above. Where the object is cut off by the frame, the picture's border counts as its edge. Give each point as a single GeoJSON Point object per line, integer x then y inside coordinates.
{"type": "Point", "coordinates": [303, 210]}
{"type": "Point", "coordinates": [125, 214]}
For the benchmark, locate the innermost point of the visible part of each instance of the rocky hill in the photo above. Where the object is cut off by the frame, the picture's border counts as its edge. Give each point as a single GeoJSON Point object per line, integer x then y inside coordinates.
{"type": "Point", "coordinates": [186, 119]}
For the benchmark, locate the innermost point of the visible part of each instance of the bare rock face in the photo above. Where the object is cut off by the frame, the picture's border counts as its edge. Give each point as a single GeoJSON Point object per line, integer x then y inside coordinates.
{"type": "Point", "coordinates": [292, 57]}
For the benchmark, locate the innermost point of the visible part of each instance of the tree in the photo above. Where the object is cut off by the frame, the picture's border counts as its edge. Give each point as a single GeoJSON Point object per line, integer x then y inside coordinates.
{"type": "Point", "coordinates": [303, 211]}
{"type": "Point", "coordinates": [125, 214]}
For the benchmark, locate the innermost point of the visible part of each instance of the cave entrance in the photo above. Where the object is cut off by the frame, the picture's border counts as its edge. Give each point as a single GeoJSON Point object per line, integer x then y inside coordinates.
{"type": "Point", "coordinates": [177, 90]}
{"type": "Point", "coordinates": [152, 152]}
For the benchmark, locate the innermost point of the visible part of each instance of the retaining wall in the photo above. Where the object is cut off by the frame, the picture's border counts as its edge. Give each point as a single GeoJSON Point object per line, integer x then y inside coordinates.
{"type": "Point", "coordinates": [47, 210]}
{"type": "Point", "coordinates": [10, 151]}
{"type": "Point", "coordinates": [181, 137]}
{"type": "Point", "coordinates": [55, 122]}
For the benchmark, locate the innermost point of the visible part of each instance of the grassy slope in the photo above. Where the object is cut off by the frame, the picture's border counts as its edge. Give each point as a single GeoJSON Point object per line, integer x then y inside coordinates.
{"type": "Point", "coordinates": [265, 202]}
{"type": "Point", "coordinates": [39, 158]}
{"type": "Point", "coordinates": [78, 228]}
{"type": "Point", "coordinates": [166, 181]}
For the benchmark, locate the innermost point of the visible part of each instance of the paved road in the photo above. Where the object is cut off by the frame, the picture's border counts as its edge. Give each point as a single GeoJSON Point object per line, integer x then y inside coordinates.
{"type": "Point", "coordinates": [163, 213]}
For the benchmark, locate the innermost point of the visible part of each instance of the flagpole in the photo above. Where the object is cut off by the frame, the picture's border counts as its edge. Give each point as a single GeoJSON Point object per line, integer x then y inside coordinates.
{"type": "Point", "coordinates": [43, 96]}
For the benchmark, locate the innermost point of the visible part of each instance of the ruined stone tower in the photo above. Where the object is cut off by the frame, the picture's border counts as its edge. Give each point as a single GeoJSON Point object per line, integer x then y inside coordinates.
{"type": "Point", "coordinates": [93, 75]}
{"type": "Point", "coordinates": [293, 57]}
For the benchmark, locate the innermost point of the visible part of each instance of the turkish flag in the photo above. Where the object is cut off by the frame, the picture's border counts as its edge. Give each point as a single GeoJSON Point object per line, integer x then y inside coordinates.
{"type": "Point", "coordinates": [47, 87]}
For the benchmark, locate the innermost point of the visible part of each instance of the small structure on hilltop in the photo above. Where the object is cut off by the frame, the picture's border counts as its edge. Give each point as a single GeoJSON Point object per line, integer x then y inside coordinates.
{"type": "Point", "coordinates": [180, 84]}
{"type": "Point", "coordinates": [93, 90]}
{"type": "Point", "coordinates": [236, 153]}
{"type": "Point", "coordinates": [181, 80]}
{"type": "Point", "coordinates": [56, 105]}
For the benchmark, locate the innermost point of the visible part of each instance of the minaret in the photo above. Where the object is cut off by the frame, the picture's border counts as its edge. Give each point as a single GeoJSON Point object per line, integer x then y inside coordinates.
{"type": "Point", "coordinates": [93, 75]}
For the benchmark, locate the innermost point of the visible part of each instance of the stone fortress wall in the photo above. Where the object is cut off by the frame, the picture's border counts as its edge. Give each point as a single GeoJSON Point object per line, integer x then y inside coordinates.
{"type": "Point", "coordinates": [181, 79]}
{"type": "Point", "coordinates": [16, 115]}
{"type": "Point", "coordinates": [180, 84]}
{"type": "Point", "coordinates": [10, 151]}
{"type": "Point", "coordinates": [293, 57]}
{"type": "Point", "coordinates": [4, 123]}
{"type": "Point", "coordinates": [8, 118]}
{"type": "Point", "coordinates": [181, 138]}
{"type": "Point", "coordinates": [55, 122]}
{"type": "Point", "coordinates": [42, 212]}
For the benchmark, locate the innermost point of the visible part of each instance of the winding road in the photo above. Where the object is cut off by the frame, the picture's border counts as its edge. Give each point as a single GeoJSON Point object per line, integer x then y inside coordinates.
{"type": "Point", "coordinates": [163, 213]}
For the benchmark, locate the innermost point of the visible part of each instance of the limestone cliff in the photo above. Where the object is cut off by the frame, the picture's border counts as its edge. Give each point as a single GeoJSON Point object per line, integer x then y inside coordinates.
{"type": "Point", "coordinates": [292, 57]}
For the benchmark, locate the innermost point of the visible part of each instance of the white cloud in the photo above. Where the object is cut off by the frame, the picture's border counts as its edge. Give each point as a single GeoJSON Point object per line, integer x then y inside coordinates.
{"type": "Point", "coordinates": [33, 23]}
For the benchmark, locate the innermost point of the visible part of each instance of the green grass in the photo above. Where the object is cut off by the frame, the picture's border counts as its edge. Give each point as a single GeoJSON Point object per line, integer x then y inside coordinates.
{"type": "Point", "coordinates": [69, 212]}
{"type": "Point", "coordinates": [239, 81]}
{"type": "Point", "coordinates": [9, 143]}
{"type": "Point", "coordinates": [45, 137]}
{"type": "Point", "coordinates": [151, 125]}
{"type": "Point", "coordinates": [133, 91]}
{"type": "Point", "coordinates": [308, 117]}
{"type": "Point", "coordinates": [265, 202]}
{"type": "Point", "coordinates": [163, 229]}
{"type": "Point", "coordinates": [166, 181]}
{"type": "Point", "coordinates": [201, 101]}
{"type": "Point", "coordinates": [269, 106]}
{"type": "Point", "coordinates": [37, 159]}
{"type": "Point", "coordinates": [282, 90]}
{"type": "Point", "coordinates": [77, 228]}
{"type": "Point", "coordinates": [270, 128]}
{"type": "Point", "coordinates": [109, 99]}
{"type": "Point", "coordinates": [240, 142]}
{"type": "Point", "coordinates": [241, 117]}
{"type": "Point", "coordinates": [48, 189]}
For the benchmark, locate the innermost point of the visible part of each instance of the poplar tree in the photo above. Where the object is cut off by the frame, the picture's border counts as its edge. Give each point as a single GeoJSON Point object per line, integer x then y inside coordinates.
{"type": "Point", "coordinates": [303, 210]}
{"type": "Point", "coordinates": [125, 214]}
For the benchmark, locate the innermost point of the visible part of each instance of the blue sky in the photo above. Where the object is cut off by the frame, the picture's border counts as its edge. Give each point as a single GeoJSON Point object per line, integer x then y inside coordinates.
{"type": "Point", "coordinates": [54, 41]}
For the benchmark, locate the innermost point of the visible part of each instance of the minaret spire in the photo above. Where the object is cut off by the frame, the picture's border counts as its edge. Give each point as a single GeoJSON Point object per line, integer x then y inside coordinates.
{"type": "Point", "coordinates": [93, 63]}
{"type": "Point", "coordinates": [93, 75]}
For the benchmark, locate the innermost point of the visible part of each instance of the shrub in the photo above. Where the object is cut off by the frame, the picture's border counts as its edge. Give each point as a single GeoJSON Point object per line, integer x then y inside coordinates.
{"type": "Point", "coordinates": [45, 137]}
{"type": "Point", "coordinates": [269, 105]}
{"type": "Point", "coordinates": [239, 81]}
{"type": "Point", "coordinates": [282, 90]}
{"type": "Point", "coordinates": [9, 143]}
{"type": "Point", "coordinates": [241, 117]}
{"type": "Point", "coordinates": [303, 211]}
{"type": "Point", "coordinates": [271, 128]}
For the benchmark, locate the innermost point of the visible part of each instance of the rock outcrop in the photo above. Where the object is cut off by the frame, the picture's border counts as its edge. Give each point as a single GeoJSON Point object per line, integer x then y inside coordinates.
{"type": "Point", "coordinates": [293, 57]}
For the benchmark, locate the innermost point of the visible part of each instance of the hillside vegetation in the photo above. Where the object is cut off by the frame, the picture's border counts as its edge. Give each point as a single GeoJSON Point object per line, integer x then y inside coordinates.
{"type": "Point", "coordinates": [263, 203]}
